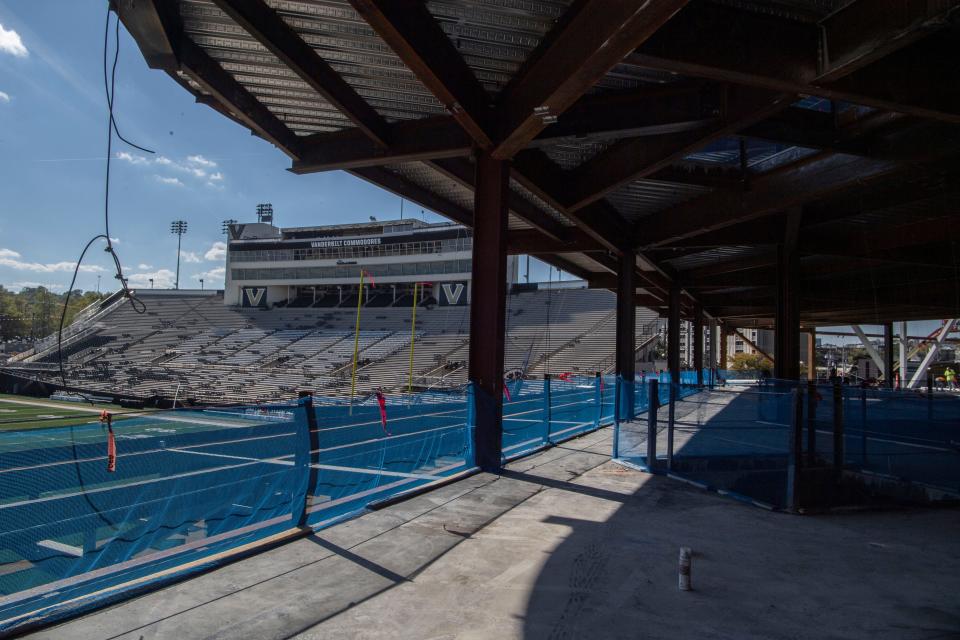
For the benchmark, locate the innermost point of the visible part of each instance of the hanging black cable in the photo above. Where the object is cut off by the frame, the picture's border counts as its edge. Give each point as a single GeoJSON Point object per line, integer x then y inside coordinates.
{"type": "Point", "coordinates": [109, 86]}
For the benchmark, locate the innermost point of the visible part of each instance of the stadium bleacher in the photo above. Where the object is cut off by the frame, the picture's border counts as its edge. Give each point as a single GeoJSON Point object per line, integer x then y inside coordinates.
{"type": "Point", "coordinates": [195, 347]}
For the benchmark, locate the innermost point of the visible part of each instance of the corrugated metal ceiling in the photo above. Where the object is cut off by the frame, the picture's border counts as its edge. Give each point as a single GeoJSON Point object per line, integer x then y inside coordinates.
{"type": "Point", "coordinates": [643, 197]}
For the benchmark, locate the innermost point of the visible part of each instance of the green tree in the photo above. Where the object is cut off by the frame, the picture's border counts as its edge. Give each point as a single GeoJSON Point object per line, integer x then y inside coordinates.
{"type": "Point", "coordinates": [34, 312]}
{"type": "Point", "coordinates": [750, 362]}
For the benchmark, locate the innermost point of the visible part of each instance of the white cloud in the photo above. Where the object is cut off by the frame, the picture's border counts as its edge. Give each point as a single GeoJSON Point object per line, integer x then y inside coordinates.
{"type": "Point", "coordinates": [162, 279]}
{"type": "Point", "coordinates": [129, 157]}
{"type": "Point", "coordinates": [174, 182]}
{"type": "Point", "coordinates": [143, 266]}
{"type": "Point", "coordinates": [11, 259]}
{"type": "Point", "coordinates": [189, 256]}
{"type": "Point", "coordinates": [216, 177]}
{"type": "Point", "coordinates": [200, 160]}
{"type": "Point", "coordinates": [4, 97]}
{"type": "Point", "coordinates": [115, 240]}
{"type": "Point", "coordinates": [11, 43]}
{"type": "Point", "coordinates": [213, 277]}
{"type": "Point", "coordinates": [217, 251]}
{"type": "Point", "coordinates": [196, 166]}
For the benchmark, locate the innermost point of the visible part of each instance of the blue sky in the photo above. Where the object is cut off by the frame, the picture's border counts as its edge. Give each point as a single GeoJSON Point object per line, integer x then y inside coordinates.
{"type": "Point", "coordinates": [206, 168]}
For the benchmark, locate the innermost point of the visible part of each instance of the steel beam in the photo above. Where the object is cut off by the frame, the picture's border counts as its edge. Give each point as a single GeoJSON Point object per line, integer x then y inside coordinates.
{"type": "Point", "coordinates": [931, 354]}
{"type": "Point", "coordinates": [270, 30]}
{"type": "Point", "coordinates": [410, 140]}
{"type": "Point", "coordinates": [532, 241]}
{"type": "Point", "coordinates": [865, 31]}
{"type": "Point", "coordinates": [591, 38]}
{"type": "Point", "coordinates": [537, 173]}
{"type": "Point", "coordinates": [633, 159]}
{"type": "Point", "coordinates": [813, 179]}
{"type": "Point", "coordinates": [783, 55]}
{"type": "Point", "coordinates": [735, 331]}
{"type": "Point", "coordinates": [408, 27]}
{"type": "Point", "coordinates": [871, 350]}
{"type": "Point", "coordinates": [488, 307]}
{"type": "Point", "coordinates": [462, 172]}
{"type": "Point", "coordinates": [155, 26]}
{"type": "Point", "coordinates": [397, 184]}
{"type": "Point", "coordinates": [235, 97]}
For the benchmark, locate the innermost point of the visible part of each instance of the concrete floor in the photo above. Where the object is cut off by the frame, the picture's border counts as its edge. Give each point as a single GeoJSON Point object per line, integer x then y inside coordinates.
{"type": "Point", "coordinates": [567, 544]}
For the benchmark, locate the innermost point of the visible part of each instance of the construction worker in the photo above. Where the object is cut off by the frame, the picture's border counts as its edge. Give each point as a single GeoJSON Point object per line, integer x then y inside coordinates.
{"type": "Point", "coordinates": [951, 377]}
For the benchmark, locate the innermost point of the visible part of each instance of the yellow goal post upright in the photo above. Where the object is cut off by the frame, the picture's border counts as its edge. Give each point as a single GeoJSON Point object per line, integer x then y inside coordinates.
{"type": "Point", "coordinates": [356, 342]}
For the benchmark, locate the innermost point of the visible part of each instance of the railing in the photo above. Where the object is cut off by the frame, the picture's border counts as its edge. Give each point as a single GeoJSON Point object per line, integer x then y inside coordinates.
{"type": "Point", "coordinates": [90, 314]}
{"type": "Point", "coordinates": [797, 445]}
{"type": "Point", "coordinates": [82, 529]}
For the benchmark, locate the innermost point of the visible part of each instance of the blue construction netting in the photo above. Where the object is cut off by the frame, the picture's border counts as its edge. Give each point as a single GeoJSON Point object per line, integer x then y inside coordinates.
{"type": "Point", "coordinates": [739, 376]}
{"type": "Point", "coordinates": [540, 413]}
{"type": "Point", "coordinates": [193, 487]}
{"type": "Point", "coordinates": [736, 443]}
{"type": "Point", "coordinates": [761, 442]}
{"type": "Point", "coordinates": [904, 435]}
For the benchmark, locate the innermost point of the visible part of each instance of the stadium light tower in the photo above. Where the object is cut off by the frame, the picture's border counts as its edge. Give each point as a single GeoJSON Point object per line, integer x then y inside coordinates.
{"type": "Point", "coordinates": [178, 228]}
{"type": "Point", "coordinates": [265, 213]}
{"type": "Point", "coordinates": [225, 227]}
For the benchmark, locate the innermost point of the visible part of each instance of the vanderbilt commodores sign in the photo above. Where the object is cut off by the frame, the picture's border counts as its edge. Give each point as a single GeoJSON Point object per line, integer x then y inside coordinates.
{"type": "Point", "coordinates": [452, 294]}
{"type": "Point", "coordinates": [253, 297]}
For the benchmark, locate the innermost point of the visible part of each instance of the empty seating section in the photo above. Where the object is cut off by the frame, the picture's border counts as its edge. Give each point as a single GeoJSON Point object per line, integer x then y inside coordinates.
{"type": "Point", "coordinates": [201, 350]}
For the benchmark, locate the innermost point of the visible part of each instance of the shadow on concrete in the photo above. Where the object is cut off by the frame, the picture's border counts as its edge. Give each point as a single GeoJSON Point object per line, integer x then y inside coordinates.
{"type": "Point", "coordinates": [756, 574]}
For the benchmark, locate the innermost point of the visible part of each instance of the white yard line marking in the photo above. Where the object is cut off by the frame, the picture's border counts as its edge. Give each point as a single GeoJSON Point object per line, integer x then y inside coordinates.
{"type": "Point", "coordinates": [206, 421]}
{"type": "Point", "coordinates": [123, 486]}
{"type": "Point", "coordinates": [377, 472]}
{"type": "Point", "coordinates": [223, 455]}
{"type": "Point", "coordinates": [40, 403]}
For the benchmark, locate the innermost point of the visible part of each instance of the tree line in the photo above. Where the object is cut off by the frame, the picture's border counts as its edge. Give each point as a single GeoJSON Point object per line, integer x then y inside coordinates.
{"type": "Point", "coordinates": [34, 312]}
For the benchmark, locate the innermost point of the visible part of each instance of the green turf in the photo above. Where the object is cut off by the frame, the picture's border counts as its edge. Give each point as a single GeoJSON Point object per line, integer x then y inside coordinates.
{"type": "Point", "coordinates": [16, 417]}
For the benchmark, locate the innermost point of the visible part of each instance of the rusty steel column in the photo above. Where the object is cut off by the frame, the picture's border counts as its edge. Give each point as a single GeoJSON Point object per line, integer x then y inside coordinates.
{"type": "Point", "coordinates": [698, 343]}
{"type": "Point", "coordinates": [722, 348]}
{"type": "Point", "coordinates": [812, 354]}
{"type": "Point", "coordinates": [626, 331]}
{"type": "Point", "coordinates": [888, 355]}
{"type": "Point", "coordinates": [673, 333]}
{"type": "Point", "coordinates": [786, 354]}
{"type": "Point", "coordinates": [627, 316]}
{"type": "Point", "coordinates": [488, 306]}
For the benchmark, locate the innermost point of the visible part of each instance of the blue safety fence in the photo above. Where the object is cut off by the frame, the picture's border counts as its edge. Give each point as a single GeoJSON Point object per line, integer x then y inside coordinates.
{"type": "Point", "coordinates": [193, 487]}
{"type": "Point", "coordinates": [550, 411]}
{"type": "Point", "coordinates": [736, 443]}
{"type": "Point", "coordinates": [904, 435]}
{"type": "Point", "coordinates": [766, 441]}
{"type": "Point", "coordinates": [739, 376]}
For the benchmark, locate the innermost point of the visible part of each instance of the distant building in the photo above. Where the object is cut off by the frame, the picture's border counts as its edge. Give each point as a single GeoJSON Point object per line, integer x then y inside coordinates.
{"type": "Point", "coordinates": [306, 266]}
{"type": "Point", "coordinates": [763, 338]}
